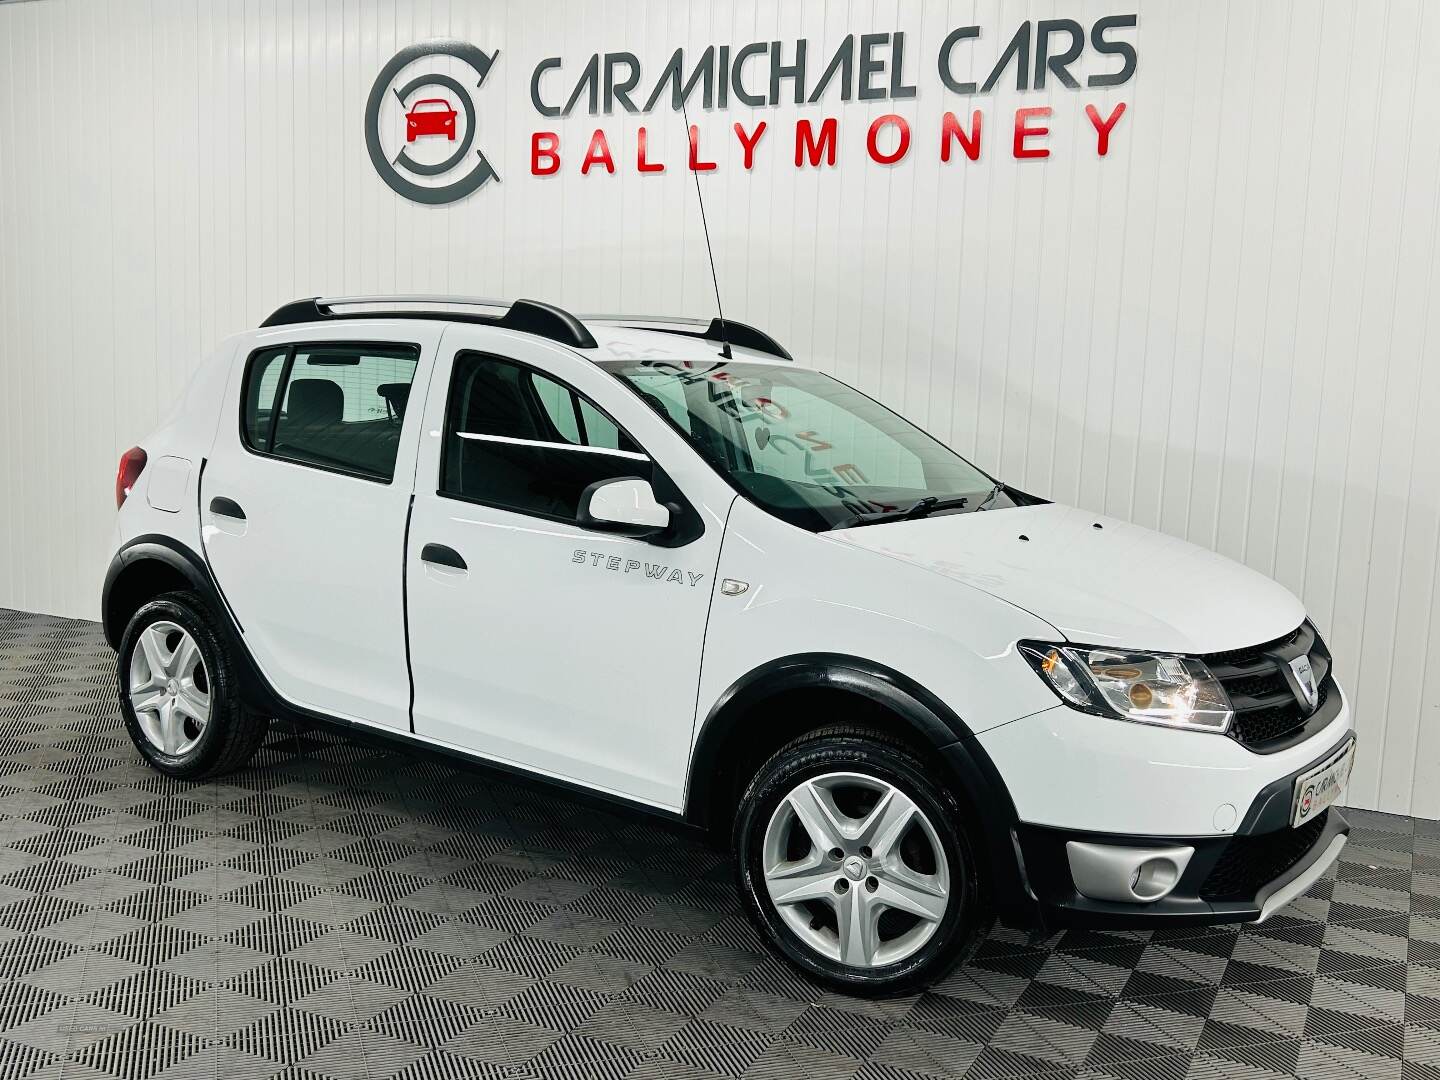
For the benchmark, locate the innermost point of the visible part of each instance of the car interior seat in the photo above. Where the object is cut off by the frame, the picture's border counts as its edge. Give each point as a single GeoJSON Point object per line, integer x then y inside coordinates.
{"type": "Point", "coordinates": [397, 396]}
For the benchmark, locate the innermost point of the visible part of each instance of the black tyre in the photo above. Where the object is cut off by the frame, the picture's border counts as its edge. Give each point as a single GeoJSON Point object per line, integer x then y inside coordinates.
{"type": "Point", "coordinates": [855, 863]}
{"type": "Point", "coordinates": [178, 693]}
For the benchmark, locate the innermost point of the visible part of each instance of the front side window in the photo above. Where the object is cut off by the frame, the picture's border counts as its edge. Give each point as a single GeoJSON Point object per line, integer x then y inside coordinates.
{"type": "Point", "coordinates": [519, 440]}
{"type": "Point", "coordinates": [807, 447]}
{"type": "Point", "coordinates": [338, 407]}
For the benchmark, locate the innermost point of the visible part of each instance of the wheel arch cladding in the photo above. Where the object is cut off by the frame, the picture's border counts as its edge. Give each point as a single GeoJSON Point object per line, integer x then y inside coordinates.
{"type": "Point", "coordinates": [143, 569]}
{"type": "Point", "coordinates": [750, 721]}
{"type": "Point", "coordinates": [153, 564]}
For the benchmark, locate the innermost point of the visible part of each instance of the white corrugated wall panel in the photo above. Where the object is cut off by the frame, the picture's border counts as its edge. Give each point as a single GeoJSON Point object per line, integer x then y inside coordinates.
{"type": "Point", "coordinates": [1227, 329]}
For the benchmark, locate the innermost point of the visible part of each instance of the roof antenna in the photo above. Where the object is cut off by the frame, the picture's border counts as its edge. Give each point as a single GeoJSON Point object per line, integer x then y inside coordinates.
{"type": "Point", "coordinates": [714, 278]}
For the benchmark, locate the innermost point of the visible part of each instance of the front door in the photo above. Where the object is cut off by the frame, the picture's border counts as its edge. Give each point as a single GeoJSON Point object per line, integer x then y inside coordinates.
{"type": "Point", "coordinates": [303, 504]}
{"type": "Point", "coordinates": [534, 641]}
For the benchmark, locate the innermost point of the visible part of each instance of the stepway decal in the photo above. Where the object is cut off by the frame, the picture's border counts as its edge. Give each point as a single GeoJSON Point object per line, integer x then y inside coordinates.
{"type": "Point", "coordinates": [652, 571]}
{"type": "Point", "coordinates": [1039, 55]}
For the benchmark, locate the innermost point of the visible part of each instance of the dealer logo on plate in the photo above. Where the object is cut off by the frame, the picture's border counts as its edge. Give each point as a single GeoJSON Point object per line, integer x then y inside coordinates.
{"type": "Point", "coordinates": [420, 122]}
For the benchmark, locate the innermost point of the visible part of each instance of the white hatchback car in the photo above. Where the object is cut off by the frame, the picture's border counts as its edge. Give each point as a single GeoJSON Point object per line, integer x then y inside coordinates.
{"type": "Point", "coordinates": [657, 561]}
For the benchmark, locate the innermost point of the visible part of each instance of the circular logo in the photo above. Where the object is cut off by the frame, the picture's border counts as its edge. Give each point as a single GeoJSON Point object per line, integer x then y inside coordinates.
{"type": "Point", "coordinates": [1307, 799]}
{"type": "Point", "coordinates": [854, 867]}
{"type": "Point", "coordinates": [420, 122]}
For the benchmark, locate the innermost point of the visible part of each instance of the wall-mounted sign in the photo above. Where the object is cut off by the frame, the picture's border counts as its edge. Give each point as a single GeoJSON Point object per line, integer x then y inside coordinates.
{"type": "Point", "coordinates": [432, 123]}
{"type": "Point", "coordinates": [1039, 55]}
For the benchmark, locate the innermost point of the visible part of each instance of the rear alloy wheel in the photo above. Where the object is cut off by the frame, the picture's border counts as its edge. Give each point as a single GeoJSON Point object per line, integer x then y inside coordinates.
{"type": "Point", "coordinates": [178, 693]}
{"type": "Point", "coordinates": [855, 864]}
{"type": "Point", "coordinates": [169, 688]}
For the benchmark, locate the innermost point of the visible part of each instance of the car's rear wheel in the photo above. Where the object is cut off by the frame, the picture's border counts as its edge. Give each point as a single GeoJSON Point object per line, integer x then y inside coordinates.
{"type": "Point", "coordinates": [856, 864]}
{"type": "Point", "coordinates": [177, 691]}
{"type": "Point", "coordinates": [169, 688]}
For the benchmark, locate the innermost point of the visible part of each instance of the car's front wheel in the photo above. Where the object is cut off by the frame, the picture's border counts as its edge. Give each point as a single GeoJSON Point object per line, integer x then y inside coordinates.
{"type": "Point", "coordinates": [178, 694]}
{"type": "Point", "coordinates": [856, 864]}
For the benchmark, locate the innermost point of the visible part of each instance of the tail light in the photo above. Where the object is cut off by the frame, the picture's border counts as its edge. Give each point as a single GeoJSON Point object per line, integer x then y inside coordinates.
{"type": "Point", "coordinates": [132, 463]}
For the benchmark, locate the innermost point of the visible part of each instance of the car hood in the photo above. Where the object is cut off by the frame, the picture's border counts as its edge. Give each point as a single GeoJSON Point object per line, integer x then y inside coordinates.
{"type": "Point", "coordinates": [1115, 584]}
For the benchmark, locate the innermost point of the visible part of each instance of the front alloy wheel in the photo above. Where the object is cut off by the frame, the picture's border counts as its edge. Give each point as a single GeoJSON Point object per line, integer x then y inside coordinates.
{"type": "Point", "coordinates": [856, 869]}
{"type": "Point", "coordinates": [855, 863]}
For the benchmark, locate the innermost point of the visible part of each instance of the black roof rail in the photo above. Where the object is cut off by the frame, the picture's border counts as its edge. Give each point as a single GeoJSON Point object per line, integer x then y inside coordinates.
{"type": "Point", "coordinates": [746, 336]}
{"type": "Point", "coordinates": [296, 311]}
{"type": "Point", "coordinates": [547, 320]}
{"type": "Point", "coordinates": [527, 316]}
{"type": "Point", "coordinates": [736, 333]}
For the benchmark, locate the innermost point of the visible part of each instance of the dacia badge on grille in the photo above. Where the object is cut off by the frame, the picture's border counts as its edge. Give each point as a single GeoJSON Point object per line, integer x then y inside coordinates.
{"type": "Point", "coordinates": [1305, 680]}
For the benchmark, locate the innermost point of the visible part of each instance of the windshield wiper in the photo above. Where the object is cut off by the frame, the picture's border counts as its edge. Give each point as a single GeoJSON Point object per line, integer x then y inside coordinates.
{"type": "Point", "coordinates": [995, 490]}
{"type": "Point", "coordinates": [918, 509]}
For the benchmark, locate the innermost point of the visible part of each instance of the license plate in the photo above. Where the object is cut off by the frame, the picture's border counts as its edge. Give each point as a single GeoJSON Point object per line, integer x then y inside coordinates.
{"type": "Point", "coordinates": [1321, 786]}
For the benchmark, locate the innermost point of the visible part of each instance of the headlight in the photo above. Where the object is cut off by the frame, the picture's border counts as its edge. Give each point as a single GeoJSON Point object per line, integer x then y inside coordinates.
{"type": "Point", "coordinates": [1174, 691]}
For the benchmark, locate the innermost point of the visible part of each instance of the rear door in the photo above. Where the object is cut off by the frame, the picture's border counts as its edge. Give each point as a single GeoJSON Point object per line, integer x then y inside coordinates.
{"type": "Point", "coordinates": [303, 508]}
{"type": "Point", "coordinates": [535, 641]}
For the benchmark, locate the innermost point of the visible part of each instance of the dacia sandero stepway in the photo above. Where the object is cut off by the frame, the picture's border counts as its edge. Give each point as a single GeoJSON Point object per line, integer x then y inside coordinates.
{"type": "Point", "coordinates": [658, 561]}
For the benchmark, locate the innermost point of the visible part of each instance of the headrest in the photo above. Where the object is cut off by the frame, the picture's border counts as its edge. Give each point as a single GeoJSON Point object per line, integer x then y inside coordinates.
{"type": "Point", "coordinates": [656, 402]}
{"type": "Point", "coordinates": [496, 406]}
{"type": "Point", "coordinates": [315, 401]}
{"type": "Point", "coordinates": [397, 394]}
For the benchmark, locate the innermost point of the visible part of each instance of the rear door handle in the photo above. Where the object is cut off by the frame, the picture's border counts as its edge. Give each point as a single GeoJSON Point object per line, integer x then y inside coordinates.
{"type": "Point", "coordinates": [441, 555]}
{"type": "Point", "coordinates": [226, 508]}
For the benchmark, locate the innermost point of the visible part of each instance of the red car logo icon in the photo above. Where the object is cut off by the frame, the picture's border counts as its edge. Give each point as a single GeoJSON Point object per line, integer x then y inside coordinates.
{"type": "Point", "coordinates": [430, 116]}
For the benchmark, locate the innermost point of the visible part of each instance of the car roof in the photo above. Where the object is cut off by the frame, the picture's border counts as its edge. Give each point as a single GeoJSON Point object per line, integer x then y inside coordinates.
{"type": "Point", "coordinates": [595, 337]}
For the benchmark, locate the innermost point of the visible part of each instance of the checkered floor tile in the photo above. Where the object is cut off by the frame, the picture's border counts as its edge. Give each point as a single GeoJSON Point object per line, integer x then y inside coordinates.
{"type": "Point", "coordinates": [341, 909]}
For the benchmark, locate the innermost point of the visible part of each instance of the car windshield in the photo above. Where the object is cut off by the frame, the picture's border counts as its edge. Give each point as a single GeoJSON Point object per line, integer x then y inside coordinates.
{"type": "Point", "coordinates": [807, 447]}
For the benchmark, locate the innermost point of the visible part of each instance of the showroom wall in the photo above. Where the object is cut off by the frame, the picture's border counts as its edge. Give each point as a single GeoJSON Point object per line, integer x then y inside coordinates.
{"type": "Point", "coordinates": [1224, 327]}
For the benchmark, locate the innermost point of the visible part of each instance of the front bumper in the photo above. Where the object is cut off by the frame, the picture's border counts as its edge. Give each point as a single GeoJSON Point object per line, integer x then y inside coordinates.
{"type": "Point", "coordinates": [1072, 770]}
{"type": "Point", "coordinates": [1245, 877]}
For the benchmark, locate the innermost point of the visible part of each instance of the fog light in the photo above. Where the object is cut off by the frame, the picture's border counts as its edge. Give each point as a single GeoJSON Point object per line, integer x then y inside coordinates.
{"type": "Point", "coordinates": [1155, 878]}
{"type": "Point", "coordinates": [1127, 875]}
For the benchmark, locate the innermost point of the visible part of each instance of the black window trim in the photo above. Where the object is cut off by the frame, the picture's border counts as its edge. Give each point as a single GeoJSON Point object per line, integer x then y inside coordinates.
{"type": "Point", "coordinates": [291, 348]}
{"type": "Point", "coordinates": [693, 525]}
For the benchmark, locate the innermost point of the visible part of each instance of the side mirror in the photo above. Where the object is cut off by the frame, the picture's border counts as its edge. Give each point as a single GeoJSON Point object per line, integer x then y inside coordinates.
{"type": "Point", "coordinates": [624, 505]}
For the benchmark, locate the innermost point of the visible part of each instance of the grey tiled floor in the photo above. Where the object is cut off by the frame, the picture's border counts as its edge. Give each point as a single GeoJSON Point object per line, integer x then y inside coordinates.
{"type": "Point", "coordinates": [341, 909]}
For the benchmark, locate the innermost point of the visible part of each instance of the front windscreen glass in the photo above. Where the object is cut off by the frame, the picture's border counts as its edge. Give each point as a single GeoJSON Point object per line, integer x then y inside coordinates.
{"type": "Point", "coordinates": [807, 447]}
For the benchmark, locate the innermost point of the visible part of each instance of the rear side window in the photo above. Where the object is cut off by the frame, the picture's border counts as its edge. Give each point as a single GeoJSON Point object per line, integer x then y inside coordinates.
{"type": "Point", "coordinates": [519, 440]}
{"type": "Point", "coordinates": [335, 406]}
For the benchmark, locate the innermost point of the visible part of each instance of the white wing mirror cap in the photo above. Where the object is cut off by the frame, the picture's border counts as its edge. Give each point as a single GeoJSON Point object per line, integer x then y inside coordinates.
{"type": "Point", "coordinates": [627, 503]}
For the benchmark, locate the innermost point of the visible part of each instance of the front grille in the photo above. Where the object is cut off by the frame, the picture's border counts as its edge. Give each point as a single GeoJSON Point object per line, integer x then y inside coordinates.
{"type": "Point", "coordinates": [1236, 656]}
{"type": "Point", "coordinates": [1250, 862]}
{"type": "Point", "coordinates": [1267, 710]}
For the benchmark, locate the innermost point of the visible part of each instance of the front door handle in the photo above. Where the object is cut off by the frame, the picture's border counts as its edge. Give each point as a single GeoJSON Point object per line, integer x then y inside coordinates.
{"type": "Point", "coordinates": [441, 555]}
{"type": "Point", "coordinates": [226, 508]}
